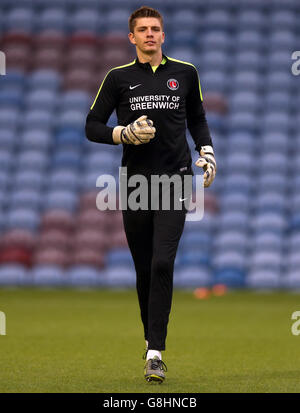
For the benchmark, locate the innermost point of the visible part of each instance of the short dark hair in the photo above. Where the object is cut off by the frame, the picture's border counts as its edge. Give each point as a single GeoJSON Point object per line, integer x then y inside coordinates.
{"type": "Point", "coordinates": [143, 11]}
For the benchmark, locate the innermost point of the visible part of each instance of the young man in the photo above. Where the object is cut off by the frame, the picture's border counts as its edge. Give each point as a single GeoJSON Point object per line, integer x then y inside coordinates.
{"type": "Point", "coordinates": [155, 96]}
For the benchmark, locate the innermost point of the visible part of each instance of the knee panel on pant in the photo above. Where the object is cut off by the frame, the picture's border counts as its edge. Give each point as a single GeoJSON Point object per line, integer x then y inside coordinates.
{"type": "Point", "coordinates": [162, 266]}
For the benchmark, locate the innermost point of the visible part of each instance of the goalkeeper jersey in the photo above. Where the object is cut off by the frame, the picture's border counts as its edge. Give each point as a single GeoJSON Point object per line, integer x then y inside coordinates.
{"type": "Point", "coordinates": [170, 96]}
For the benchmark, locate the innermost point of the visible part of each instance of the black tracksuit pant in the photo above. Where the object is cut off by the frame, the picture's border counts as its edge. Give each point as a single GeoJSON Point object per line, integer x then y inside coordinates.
{"type": "Point", "coordinates": [153, 237]}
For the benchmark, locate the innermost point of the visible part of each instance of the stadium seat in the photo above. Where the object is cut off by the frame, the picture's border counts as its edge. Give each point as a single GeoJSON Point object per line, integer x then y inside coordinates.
{"type": "Point", "coordinates": [45, 274]}
{"type": "Point", "coordinates": [22, 218]}
{"type": "Point", "coordinates": [232, 240]}
{"type": "Point", "coordinates": [63, 178]}
{"type": "Point", "coordinates": [85, 19]}
{"type": "Point", "coordinates": [193, 277]}
{"type": "Point", "coordinates": [14, 274]}
{"type": "Point", "coordinates": [54, 238]}
{"type": "Point", "coordinates": [263, 279]}
{"type": "Point", "coordinates": [36, 139]}
{"type": "Point", "coordinates": [60, 219]}
{"type": "Point", "coordinates": [230, 259]}
{"type": "Point", "coordinates": [234, 278]}
{"type": "Point", "coordinates": [84, 276]}
{"type": "Point", "coordinates": [53, 18]}
{"type": "Point", "coordinates": [120, 276]}
{"type": "Point", "coordinates": [27, 198]}
{"type": "Point", "coordinates": [21, 18]}
{"type": "Point", "coordinates": [60, 199]}
{"type": "Point", "coordinates": [50, 256]}
{"type": "Point", "coordinates": [41, 99]}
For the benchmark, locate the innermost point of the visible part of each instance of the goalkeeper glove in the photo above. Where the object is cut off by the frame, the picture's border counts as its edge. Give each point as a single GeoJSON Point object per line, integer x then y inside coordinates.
{"type": "Point", "coordinates": [136, 133]}
{"type": "Point", "coordinates": [208, 163]}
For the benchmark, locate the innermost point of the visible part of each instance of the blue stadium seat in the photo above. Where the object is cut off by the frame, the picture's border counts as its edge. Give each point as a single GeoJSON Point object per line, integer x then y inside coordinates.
{"type": "Point", "coordinates": [267, 241]}
{"type": "Point", "coordinates": [86, 19]}
{"type": "Point", "coordinates": [61, 199]}
{"type": "Point", "coordinates": [38, 139]}
{"type": "Point", "coordinates": [28, 179]}
{"type": "Point", "coordinates": [250, 40]}
{"type": "Point", "coordinates": [263, 279]}
{"type": "Point", "coordinates": [27, 198]}
{"type": "Point", "coordinates": [291, 279]}
{"type": "Point", "coordinates": [294, 241]}
{"type": "Point", "coordinates": [266, 259]}
{"type": "Point", "coordinates": [218, 18]}
{"type": "Point", "coordinates": [21, 18]}
{"type": "Point", "coordinates": [231, 277]}
{"type": "Point", "coordinates": [271, 221]}
{"type": "Point", "coordinates": [53, 18]}
{"type": "Point", "coordinates": [243, 100]}
{"type": "Point", "coordinates": [67, 157]}
{"type": "Point", "coordinates": [282, 40]}
{"type": "Point", "coordinates": [8, 138]}
{"type": "Point", "coordinates": [44, 275]}
{"type": "Point", "coordinates": [213, 81]}
{"type": "Point", "coordinates": [84, 276]}
{"type": "Point", "coordinates": [119, 256]}
{"type": "Point", "coordinates": [69, 137]}
{"type": "Point", "coordinates": [71, 118]}
{"type": "Point", "coordinates": [6, 160]}
{"type": "Point", "coordinates": [247, 80]}
{"type": "Point", "coordinates": [22, 218]}
{"type": "Point", "coordinates": [238, 182]}
{"type": "Point", "coordinates": [277, 121]}
{"type": "Point", "coordinates": [248, 60]}
{"type": "Point", "coordinates": [250, 20]}
{"type": "Point", "coordinates": [214, 60]}
{"type": "Point", "coordinates": [240, 162]}
{"type": "Point", "coordinates": [13, 274]}
{"type": "Point", "coordinates": [229, 259]}
{"type": "Point", "coordinates": [38, 118]}
{"type": "Point", "coordinates": [237, 201]}
{"type": "Point", "coordinates": [279, 60]}
{"type": "Point", "coordinates": [192, 277]}
{"type": "Point", "coordinates": [10, 117]}
{"type": "Point", "coordinates": [268, 201]}
{"type": "Point", "coordinates": [116, 20]}
{"type": "Point", "coordinates": [214, 40]}
{"type": "Point", "coordinates": [32, 160]}
{"type": "Point", "coordinates": [279, 80]}
{"type": "Point", "coordinates": [120, 276]}
{"type": "Point", "coordinates": [11, 98]}
{"type": "Point", "coordinates": [42, 99]}
{"type": "Point", "coordinates": [271, 181]}
{"type": "Point", "coordinates": [232, 240]}
{"type": "Point", "coordinates": [197, 257]}
{"type": "Point", "coordinates": [185, 19]}
{"type": "Point", "coordinates": [181, 38]}
{"type": "Point", "coordinates": [5, 179]}
{"type": "Point", "coordinates": [75, 99]}
{"type": "Point", "coordinates": [44, 79]}
{"type": "Point", "coordinates": [64, 179]}
{"type": "Point", "coordinates": [292, 260]}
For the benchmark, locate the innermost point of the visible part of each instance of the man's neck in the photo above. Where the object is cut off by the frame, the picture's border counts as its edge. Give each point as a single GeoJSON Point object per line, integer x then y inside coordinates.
{"type": "Point", "coordinates": [154, 59]}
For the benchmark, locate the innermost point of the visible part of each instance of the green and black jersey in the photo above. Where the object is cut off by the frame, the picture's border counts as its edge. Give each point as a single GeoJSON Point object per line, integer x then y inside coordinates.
{"type": "Point", "coordinates": [170, 96]}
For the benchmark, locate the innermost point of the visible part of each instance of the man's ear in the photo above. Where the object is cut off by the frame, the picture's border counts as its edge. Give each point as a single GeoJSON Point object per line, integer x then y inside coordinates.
{"type": "Point", "coordinates": [163, 37]}
{"type": "Point", "coordinates": [131, 38]}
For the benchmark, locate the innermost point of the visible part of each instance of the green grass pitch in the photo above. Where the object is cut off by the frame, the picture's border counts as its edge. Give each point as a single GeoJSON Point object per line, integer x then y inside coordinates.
{"type": "Point", "coordinates": [91, 341]}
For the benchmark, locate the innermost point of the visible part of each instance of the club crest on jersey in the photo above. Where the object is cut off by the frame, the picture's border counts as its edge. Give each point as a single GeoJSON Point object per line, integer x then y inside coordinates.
{"type": "Point", "coordinates": [173, 84]}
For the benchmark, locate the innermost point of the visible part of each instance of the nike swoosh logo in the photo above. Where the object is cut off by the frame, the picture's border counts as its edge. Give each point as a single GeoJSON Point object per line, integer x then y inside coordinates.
{"type": "Point", "coordinates": [133, 87]}
{"type": "Point", "coordinates": [181, 200]}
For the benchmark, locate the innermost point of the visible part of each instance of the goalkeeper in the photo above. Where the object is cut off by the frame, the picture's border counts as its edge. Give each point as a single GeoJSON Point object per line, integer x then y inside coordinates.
{"type": "Point", "coordinates": [155, 97]}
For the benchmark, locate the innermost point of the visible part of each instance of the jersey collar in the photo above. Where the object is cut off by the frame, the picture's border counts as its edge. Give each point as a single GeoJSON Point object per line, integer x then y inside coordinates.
{"type": "Point", "coordinates": [147, 65]}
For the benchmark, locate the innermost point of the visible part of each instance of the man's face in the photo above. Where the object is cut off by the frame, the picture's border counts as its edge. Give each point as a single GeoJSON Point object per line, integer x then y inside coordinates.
{"type": "Point", "coordinates": [148, 35]}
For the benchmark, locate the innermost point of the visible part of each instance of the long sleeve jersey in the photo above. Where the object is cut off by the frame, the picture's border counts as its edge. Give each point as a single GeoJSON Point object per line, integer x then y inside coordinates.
{"type": "Point", "coordinates": [171, 97]}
